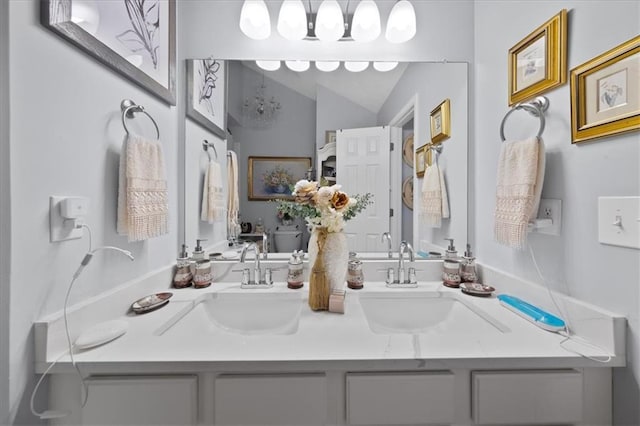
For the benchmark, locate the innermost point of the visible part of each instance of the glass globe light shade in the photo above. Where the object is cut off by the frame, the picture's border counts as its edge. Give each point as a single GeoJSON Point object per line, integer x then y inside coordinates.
{"type": "Point", "coordinates": [401, 25]}
{"type": "Point", "coordinates": [356, 66]}
{"type": "Point", "coordinates": [297, 66]}
{"type": "Point", "coordinates": [292, 20]}
{"type": "Point", "coordinates": [329, 21]}
{"type": "Point", "coordinates": [327, 66]}
{"type": "Point", "coordinates": [269, 65]}
{"type": "Point", "coordinates": [366, 21]}
{"type": "Point", "coordinates": [384, 66]}
{"type": "Point", "coordinates": [254, 19]}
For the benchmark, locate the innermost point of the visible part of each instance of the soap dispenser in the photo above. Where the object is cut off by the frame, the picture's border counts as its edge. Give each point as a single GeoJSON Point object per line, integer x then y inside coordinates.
{"type": "Point", "coordinates": [198, 252]}
{"type": "Point", "coordinates": [183, 276]}
{"type": "Point", "coordinates": [294, 275]}
{"type": "Point", "coordinates": [468, 272]}
{"type": "Point", "coordinates": [451, 266]}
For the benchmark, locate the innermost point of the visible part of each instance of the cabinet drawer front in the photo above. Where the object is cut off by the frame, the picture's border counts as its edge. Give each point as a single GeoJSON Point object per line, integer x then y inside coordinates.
{"type": "Point", "coordinates": [527, 397]}
{"type": "Point", "coordinates": [400, 398]}
{"type": "Point", "coordinates": [283, 399]}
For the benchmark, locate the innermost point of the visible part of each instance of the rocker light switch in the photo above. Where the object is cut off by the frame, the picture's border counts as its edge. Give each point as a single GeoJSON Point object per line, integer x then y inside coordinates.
{"type": "Point", "coordinates": [619, 221]}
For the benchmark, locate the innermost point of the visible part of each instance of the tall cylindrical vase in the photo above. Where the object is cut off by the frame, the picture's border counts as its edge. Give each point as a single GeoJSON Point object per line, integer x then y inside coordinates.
{"type": "Point", "coordinates": [329, 260]}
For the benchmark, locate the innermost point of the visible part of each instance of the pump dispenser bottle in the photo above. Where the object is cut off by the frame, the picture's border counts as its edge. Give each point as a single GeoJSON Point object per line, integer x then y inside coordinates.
{"type": "Point", "coordinates": [451, 266]}
{"type": "Point", "coordinates": [198, 252]}
{"type": "Point", "coordinates": [468, 272]}
{"type": "Point", "coordinates": [294, 275]}
{"type": "Point", "coordinates": [183, 276]}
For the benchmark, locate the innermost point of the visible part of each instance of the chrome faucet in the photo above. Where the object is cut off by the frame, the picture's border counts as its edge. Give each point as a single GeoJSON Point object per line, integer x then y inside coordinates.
{"type": "Point", "coordinates": [257, 282]}
{"type": "Point", "coordinates": [265, 245]}
{"type": "Point", "coordinates": [387, 236]}
{"type": "Point", "coordinates": [410, 281]}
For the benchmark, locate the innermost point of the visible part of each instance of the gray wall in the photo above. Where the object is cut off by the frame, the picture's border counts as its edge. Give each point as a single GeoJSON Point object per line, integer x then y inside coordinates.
{"type": "Point", "coordinates": [337, 112]}
{"type": "Point", "coordinates": [290, 135]}
{"type": "Point", "coordinates": [573, 263]}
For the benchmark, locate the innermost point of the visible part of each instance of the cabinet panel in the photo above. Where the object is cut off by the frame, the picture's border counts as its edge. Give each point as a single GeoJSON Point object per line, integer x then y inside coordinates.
{"type": "Point", "coordinates": [400, 398]}
{"type": "Point", "coordinates": [138, 400]}
{"type": "Point", "coordinates": [284, 399]}
{"type": "Point", "coordinates": [527, 397]}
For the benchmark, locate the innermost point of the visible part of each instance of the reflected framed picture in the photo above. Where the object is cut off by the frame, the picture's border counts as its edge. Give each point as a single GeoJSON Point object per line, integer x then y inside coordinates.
{"type": "Point", "coordinates": [421, 161]}
{"type": "Point", "coordinates": [407, 150]}
{"type": "Point", "coordinates": [330, 136]}
{"type": "Point", "coordinates": [273, 178]}
{"type": "Point", "coordinates": [407, 192]}
{"type": "Point", "coordinates": [206, 94]}
{"type": "Point", "coordinates": [538, 63]}
{"type": "Point", "coordinates": [134, 38]}
{"type": "Point", "coordinates": [605, 93]}
{"type": "Point", "coordinates": [441, 122]}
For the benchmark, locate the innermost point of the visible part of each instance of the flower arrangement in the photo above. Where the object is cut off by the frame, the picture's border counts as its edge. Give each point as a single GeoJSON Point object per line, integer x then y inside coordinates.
{"type": "Point", "coordinates": [323, 206]}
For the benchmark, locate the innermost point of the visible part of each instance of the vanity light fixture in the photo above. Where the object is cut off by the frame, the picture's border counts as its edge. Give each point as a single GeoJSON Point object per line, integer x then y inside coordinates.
{"type": "Point", "coordinates": [297, 66]}
{"type": "Point", "coordinates": [268, 65]}
{"type": "Point", "coordinates": [401, 25]}
{"type": "Point", "coordinates": [255, 22]}
{"type": "Point", "coordinates": [384, 66]}
{"type": "Point", "coordinates": [292, 20]}
{"type": "Point", "coordinates": [327, 66]}
{"type": "Point", "coordinates": [366, 21]}
{"type": "Point", "coordinates": [329, 21]}
{"type": "Point", "coordinates": [356, 66]}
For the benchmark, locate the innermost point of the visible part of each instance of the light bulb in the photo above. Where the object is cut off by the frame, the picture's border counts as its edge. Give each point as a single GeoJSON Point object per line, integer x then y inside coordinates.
{"type": "Point", "coordinates": [269, 65]}
{"type": "Point", "coordinates": [329, 21]}
{"type": "Point", "coordinates": [327, 66]}
{"type": "Point", "coordinates": [292, 20]}
{"type": "Point", "coordinates": [401, 25]}
{"type": "Point", "coordinates": [356, 66]}
{"type": "Point", "coordinates": [384, 66]}
{"type": "Point", "coordinates": [366, 21]}
{"type": "Point", "coordinates": [254, 20]}
{"type": "Point", "coordinates": [297, 66]}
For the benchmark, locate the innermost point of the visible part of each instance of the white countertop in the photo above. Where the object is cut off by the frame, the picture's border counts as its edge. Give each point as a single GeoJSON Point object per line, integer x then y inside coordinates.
{"type": "Point", "coordinates": [324, 339]}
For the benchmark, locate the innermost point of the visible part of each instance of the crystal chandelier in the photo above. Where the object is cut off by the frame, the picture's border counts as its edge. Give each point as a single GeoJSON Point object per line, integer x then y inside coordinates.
{"type": "Point", "coordinates": [260, 110]}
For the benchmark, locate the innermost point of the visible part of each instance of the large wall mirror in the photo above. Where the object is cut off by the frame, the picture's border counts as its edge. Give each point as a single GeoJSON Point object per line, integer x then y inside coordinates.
{"type": "Point", "coordinates": [289, 116]}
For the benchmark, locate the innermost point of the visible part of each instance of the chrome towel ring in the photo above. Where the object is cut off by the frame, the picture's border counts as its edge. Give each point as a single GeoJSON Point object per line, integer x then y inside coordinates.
{"type": "Point", "coordinates": [128, 108]}
{"type": "Point", "coordinates": [206, 145]}
{"type": "Point", "coordinates": [537, 107]}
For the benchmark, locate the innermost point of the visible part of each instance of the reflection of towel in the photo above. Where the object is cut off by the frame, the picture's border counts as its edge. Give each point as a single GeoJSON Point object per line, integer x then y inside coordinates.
{"type": "Point", "coordinates": [435, 202]}
{"type": "Point", "coordinates": [212, 198]}
{"type": "Point", "coordinates": [142, 190]}
{"type": "Point", "coordinates": [520, 178]}
{"type": "Point", "coordinates": [233, 202]}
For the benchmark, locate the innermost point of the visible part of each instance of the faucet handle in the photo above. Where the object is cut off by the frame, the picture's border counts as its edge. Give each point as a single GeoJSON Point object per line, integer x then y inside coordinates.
{"type": "Point", "coordinates": [268, 276]}
{"type": "Point", "coordinates": [245, 276]}
{"type": "Point", "coordinates": [412, 276]}
{"type": "Point", "coordinates": [390, 276]}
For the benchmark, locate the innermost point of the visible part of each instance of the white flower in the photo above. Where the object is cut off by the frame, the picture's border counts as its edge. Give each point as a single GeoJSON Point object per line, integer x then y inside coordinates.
{"type": "Point", "coordinates": [323, 196]}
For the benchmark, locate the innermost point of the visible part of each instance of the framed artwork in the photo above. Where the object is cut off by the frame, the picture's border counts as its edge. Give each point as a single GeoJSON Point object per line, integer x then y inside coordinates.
{"type": "Point", "coordinates": [407, 192]}
{"type": "Point", "coordinates": [538, 63]}
{"type": "Point", "coordinates": [330, 136]}
{"type": "Point", "coordinates": [272, 178]}
{"type": "Point", "coordinates": [441, 121]}
{"type": "Point", "coordinates": [136, 39]}
{"type": "Point", "coordinates": [206, 94]}
{"type": "Point", "coordinates": [605, 93]}
{"type": "Point", "coordinates": [421, 161]}
{"type": "Point", "coordinates": [407, 150]}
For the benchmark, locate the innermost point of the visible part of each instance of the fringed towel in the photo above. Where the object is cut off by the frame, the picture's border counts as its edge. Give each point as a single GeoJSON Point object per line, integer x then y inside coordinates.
{"type": "Point", "coordinates": [233, 199]}
{"type": "Point", "coordinates": [142, 190]}
{"type": "Point", "coordinates": [212, 197]}
{"type": "Point", "coordinates": [435, 202]}
{"type": "Point", "coordinates": [520, 178]}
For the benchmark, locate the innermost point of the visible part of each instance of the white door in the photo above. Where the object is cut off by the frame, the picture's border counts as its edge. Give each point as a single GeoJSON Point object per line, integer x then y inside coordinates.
{"type": "Point", "coordinates": [362, 165]}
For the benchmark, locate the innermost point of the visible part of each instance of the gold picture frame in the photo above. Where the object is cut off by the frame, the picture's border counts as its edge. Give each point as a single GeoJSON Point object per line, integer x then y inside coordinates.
{"type": "Point", "coordinates": [421, 161]}
{"type": "Point", "coordinates": [441, 121]}
{"type": "Point", "coordinates": [271, 178]}
{"type": "Point", "coordinates": [538, 63]}
{"type": "Point", "coordinates": [605, 93]}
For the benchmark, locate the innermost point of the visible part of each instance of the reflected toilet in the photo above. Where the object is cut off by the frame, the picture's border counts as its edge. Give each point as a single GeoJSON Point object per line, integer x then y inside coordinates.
{"type": "Point", "coordinates": [287, 238]}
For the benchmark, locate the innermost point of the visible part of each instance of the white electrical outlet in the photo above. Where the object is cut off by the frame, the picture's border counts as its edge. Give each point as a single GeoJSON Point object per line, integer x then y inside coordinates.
{"type": "Point", "coordinates": [550, 209]}
{"type": "Point", "coordinates": [60, 228]}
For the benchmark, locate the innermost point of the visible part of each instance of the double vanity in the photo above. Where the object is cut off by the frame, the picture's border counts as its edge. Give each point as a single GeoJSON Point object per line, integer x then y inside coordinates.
{"type": "Point", "coordinates": [426, 355]}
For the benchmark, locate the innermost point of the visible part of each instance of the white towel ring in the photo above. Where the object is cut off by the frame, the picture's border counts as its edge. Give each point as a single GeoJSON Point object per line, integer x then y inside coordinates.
{"type": "Point", "coordinates": [537, 107]}
{"type": "Point", "coordinates": [128, 108]}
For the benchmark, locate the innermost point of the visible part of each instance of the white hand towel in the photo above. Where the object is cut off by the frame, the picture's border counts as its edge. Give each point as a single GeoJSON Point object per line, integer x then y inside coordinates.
{"type": "Point", "coordinates": [520, 178]}
{"type": "Point", "coordinates": [445, 196]}
{"type": "Point", "coordinates": [212, 194]}
{"type": "Point", "coordinates": [142, 190]}
{"type": "Point", "coordinates": [233, 201]}
{"type": "Point", "coordinates": [434, 206]}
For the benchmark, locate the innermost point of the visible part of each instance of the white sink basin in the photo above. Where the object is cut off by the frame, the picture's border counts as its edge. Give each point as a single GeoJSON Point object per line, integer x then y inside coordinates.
{"type": "Point", "coordinates": [418, 312]}
{"type": "Point", "coordinates": [254, 312]}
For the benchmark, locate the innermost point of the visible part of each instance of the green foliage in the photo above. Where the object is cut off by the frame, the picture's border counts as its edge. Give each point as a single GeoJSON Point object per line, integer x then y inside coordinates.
{"type": "Point", "coordinates": [294, 209]}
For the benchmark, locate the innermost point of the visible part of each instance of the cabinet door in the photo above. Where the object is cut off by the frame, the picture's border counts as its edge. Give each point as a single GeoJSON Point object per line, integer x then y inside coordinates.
{"type": "Point", "coordinates": [282, 399]}
{"type": "Point", "coordinates": [400, 398]}
{"type": "Point", "coordinates": [141, 400]}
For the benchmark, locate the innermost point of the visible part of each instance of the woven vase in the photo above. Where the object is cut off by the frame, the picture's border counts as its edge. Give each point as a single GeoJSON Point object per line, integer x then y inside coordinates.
{"type": "Point", "coordinates": [331, 250]}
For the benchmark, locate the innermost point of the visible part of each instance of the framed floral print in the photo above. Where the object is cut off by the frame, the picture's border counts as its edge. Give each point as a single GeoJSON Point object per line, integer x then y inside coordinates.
{"type": "Point", "coordinates": [272, 178]}
{"type": "Point", "coordinates": [206, 94]}
{"type": "Point", "coordinates": [441, 122]}
{"type": "Point", "coordinates": [538, 63]}
{"type": "Point", "coordinates": [421, 160]}
{"type": "Point", "coordinates": [605, 93]}
{"type": "Point", "coordinates": [135, 38]}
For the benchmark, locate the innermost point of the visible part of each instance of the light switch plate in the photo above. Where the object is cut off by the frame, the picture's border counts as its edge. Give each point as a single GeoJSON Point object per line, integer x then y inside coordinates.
{"type": "Point", "coordinates": [59, 229]}
{"type": "Point", "coordinates": [619, 221]}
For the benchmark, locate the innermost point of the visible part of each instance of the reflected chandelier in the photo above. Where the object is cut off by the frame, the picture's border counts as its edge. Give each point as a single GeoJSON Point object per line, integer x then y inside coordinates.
{"type": "Point", "coordinates": [329, 23]}
{"type": "Point", "coordinates": [260, 110]}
